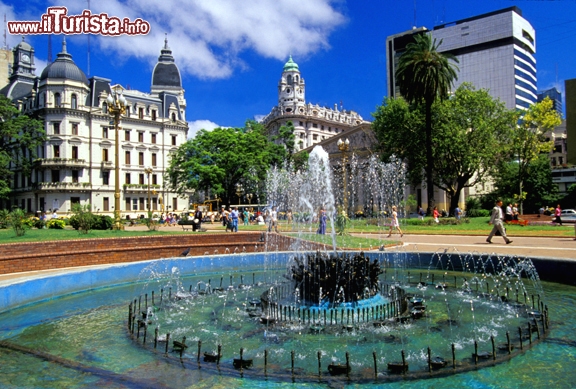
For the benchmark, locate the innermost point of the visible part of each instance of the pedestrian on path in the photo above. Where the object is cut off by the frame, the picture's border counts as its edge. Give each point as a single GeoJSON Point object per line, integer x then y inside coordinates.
{"type": "Point", "coordinates": [558, 213]}
{"type": "Point", "coordinates": [394, 223]}
{"type": "Point", "coordinates": [496, 220]}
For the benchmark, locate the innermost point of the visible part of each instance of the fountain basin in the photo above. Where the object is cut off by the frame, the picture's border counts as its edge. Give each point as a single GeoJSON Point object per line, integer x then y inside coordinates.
{"type": "Point", "coordinates": [58, 312]}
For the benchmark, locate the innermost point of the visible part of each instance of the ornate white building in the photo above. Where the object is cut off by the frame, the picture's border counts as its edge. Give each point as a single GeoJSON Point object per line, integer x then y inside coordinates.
{"type": "Point", "coordinates": [312, 123]}
{"type": "Point", "coordinates": [76, 163]}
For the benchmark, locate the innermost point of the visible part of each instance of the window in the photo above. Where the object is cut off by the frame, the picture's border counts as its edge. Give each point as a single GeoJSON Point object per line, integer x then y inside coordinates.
{"type": "Point", "coordinates": [141, 203]}
{"type": "Point", "coordinates": [154, 114]}
{"type": "Point", "coordinates": [134, 204]}
{"type": "Point", "coordinates": [315, 125]}
{"type": "Point", "coordinates": [154, 179]}
{"type": "Point", "coordinates": [173, 140]}
{"type": "Point", "coordinates": [105, 132]}
{"type": "Point", "coordinates": [56, 128]}
{"type": "Point", "coordinates": [141, 159]}
{"type": "Point", "coordinates": [127, 158]}
{"type": "Point", "coordinates": [140, 113]}
{"type": "Point", "coordinates": [105, 204]}
{"type": "Point", "coordinates": [140, 137]}
{"type": "Point", "coordinates": [301, 124]}
{"type": "Point", "coordinates": [105, 178]}
{"type": "Point", "coordinates": [56, 151]}
{"type": "Point", "coordinates": [105, 155]}
{"type": "Point", "coordinates": [153, 138]}
{"type": "Point", "coordinates": [104, 108]}
{"type": "Point", "coordinates": [74, 102]}
{"type": "Point", "coordinates": [127, 135]}
{"type": "Point", "coordinates": [153, 159]}
{"type": "Point", "coordinates": [141, 179]}
{"type": "Point", "coordinates": [314, 137]}
{"type": "Point", "coordinates": [57, 100]}
{"type": "Point", "coordinates": [128, 178]}
{"type": "Point", "coordinates": [174, 203]}
{"type": "Point", "coordinates": [55, 175]}
{"type": "Point", "coordinates": [173, 117]}
{"type": "Point", "coordinates": [74, 175]}
{"type": "Point", "coordinates": [74, 128]}
{"type": "Point", "coordinates": [128, 203]}
{"type": "Point", "coordinates": [74, 152]}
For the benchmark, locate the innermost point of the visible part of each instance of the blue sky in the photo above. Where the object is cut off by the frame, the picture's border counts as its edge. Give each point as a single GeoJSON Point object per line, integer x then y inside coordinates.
{"type": "Point", "coordinates": [231, 53]}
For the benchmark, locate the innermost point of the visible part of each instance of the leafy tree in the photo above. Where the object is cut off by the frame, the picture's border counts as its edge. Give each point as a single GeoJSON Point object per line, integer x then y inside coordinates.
{"type": "Point", "coordinates": [538, 187]}
{"type": "Point", "coordinates": [471, 137]}
{"type": "Point", "coordinates": [217, 160]}
{"type": "Point", "coordinates": [288, 139]}
{"type": "Point", "coordinates": [424, 75]}
{"type": "Point", "coordinates": [19, 137]}
{"type": "Point", "coordinates": [529, 139]}
{"type": "Point", "coordinates": [398, 129]}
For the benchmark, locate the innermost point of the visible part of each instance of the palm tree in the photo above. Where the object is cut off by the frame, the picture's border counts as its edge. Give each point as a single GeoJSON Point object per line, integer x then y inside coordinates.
{"type": "Point", "coordinates": [423, 75]}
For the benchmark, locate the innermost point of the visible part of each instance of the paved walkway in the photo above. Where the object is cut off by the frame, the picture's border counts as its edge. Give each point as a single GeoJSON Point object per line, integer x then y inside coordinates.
{"type": "Point", "coordinates": [552, 247]}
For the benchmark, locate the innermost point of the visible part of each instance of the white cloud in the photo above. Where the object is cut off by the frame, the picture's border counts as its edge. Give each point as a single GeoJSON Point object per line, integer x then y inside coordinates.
{"type": "Point", "coordinates": [197, 125]}
{"type": "Point", "coordinates": [207, 36]}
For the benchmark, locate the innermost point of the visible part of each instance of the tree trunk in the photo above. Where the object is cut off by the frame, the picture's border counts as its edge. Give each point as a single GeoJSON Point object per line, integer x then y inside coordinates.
{"type": "Point", "coordinates": [429, 159]}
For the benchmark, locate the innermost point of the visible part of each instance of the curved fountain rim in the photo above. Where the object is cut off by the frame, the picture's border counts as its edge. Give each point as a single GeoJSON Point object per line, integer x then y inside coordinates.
{"type": "Point", "coordinates": [24, 289]}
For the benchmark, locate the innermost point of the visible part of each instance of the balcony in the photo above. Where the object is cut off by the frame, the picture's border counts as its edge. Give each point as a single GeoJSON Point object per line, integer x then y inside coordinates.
{"type": "Point", "coordinates": [140, 188]}
{"type": "Point", "coordinates": [63, 186]}
{"type": "Point", "coordinates": [60, 163]}
{"type": "Point", "coordinates": [107, 165]}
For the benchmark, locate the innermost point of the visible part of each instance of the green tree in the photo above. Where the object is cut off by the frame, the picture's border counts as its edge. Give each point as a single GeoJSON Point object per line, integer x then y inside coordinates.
{"type": "Point", "coordinates": [471, 137]}
{"type": "Point", "coordinates": [399, 131]}
{"type": "Point", "coordinates": [530, 139]}
{"type": "Point", "coordinates": [19, 137]}
{"type": "Point", "coordinates": [217, 160]}
{"type": "Point", "coordinates": [82, 218]}
{"type": "Point", "coordinates": [538, 187]}
{"type": "Point", "coordinates": [288, 139]}
{"type": "Point", "coordinates": [423, 76]}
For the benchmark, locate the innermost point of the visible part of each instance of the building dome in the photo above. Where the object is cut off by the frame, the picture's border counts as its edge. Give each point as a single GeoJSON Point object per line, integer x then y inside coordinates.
{"type": "Point", "coordinates": [64, 67]}
{"type": "Point", "coordinates": [291, 66]}
{"type": "Point", "coordinates": [166, 73]}
{"type": "Point", "coordinates": [24, 45]}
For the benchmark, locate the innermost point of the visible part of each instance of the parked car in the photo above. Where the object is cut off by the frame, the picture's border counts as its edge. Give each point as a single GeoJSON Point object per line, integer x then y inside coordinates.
{"type": "Point", "coordinates": [568, 215]}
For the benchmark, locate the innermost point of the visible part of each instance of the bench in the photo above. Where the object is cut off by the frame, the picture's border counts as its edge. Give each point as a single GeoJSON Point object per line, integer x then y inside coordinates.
{"type": "Point", "coordinates": [189, 225]}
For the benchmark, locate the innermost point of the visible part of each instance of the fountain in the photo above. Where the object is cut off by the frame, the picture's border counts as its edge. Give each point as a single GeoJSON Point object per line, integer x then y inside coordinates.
{"type": "Point", "coordinates": [321, 318]}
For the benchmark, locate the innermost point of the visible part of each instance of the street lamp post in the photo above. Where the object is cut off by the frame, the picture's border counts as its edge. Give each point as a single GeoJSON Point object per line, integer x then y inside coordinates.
{"type": "Point", "coordinates": [239, 191]}
{"type": "Point", "coordinates": [117, 108]}
{"type": "Point", "coordinates": [344, 146]}
{"type": "Point", "coordinates": [249, 197]}
{"type": "Point", "coordinates": [148, 171]}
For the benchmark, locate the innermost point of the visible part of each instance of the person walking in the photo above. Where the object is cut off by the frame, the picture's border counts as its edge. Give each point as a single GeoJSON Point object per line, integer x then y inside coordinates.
{"type": "Point", "coordinates": [322, 222]}
{"type": "Point", "coordinates": [234, 216]}
{"type": "Point", "coordinates": [394, 223]}
{"type": "Point", "coordinates": [435, 215]}
{"type": "Point", "coordinates": [273, 220]}
{"type": "Point", "coordinates": [496, 220]}
{"type": "Point", "coordinates": [557, 213]}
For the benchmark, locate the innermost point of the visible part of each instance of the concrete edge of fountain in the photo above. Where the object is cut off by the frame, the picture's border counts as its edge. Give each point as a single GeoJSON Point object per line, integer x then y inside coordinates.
{"type": "Point", "coordinates": [21, 289]}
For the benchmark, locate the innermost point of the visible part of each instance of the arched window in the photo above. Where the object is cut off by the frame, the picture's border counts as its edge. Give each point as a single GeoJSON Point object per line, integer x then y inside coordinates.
{"type": "Point", "coordinates": [289, 79]}
{"type": "Point", "coordinates": [74, 102]}
{"type": "Point", "coordinates": [57, 100]}
{"type": "Point", "coordinates": [173, 117]}
{"type": "Point", "coordinates": [104, 108]}
{"type": "Point", "coordinates": [296, 79]}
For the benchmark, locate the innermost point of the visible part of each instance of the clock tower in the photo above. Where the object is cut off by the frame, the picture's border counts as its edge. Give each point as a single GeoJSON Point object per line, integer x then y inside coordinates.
{"type": "Point", "coordinates": [23, 61]}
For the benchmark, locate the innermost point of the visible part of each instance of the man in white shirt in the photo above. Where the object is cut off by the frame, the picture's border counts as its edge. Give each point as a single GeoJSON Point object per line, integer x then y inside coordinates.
{"type": "Point", "coordinates": [496, 220]}
{"type": "Point", "coordinates": [273, 220]}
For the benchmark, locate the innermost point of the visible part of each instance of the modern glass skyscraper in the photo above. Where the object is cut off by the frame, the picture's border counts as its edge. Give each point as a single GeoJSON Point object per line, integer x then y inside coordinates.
{"type": "Point", "coordinates": [495, 52]}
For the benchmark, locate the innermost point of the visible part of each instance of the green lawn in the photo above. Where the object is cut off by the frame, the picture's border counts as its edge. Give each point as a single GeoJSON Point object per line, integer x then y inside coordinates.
{"type": "Point", "coordinates": [475, 226]}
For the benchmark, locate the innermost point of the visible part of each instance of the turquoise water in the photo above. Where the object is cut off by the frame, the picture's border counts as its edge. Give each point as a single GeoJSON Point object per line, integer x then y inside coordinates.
{"type": "Point", "coordinates": [81, 341]}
